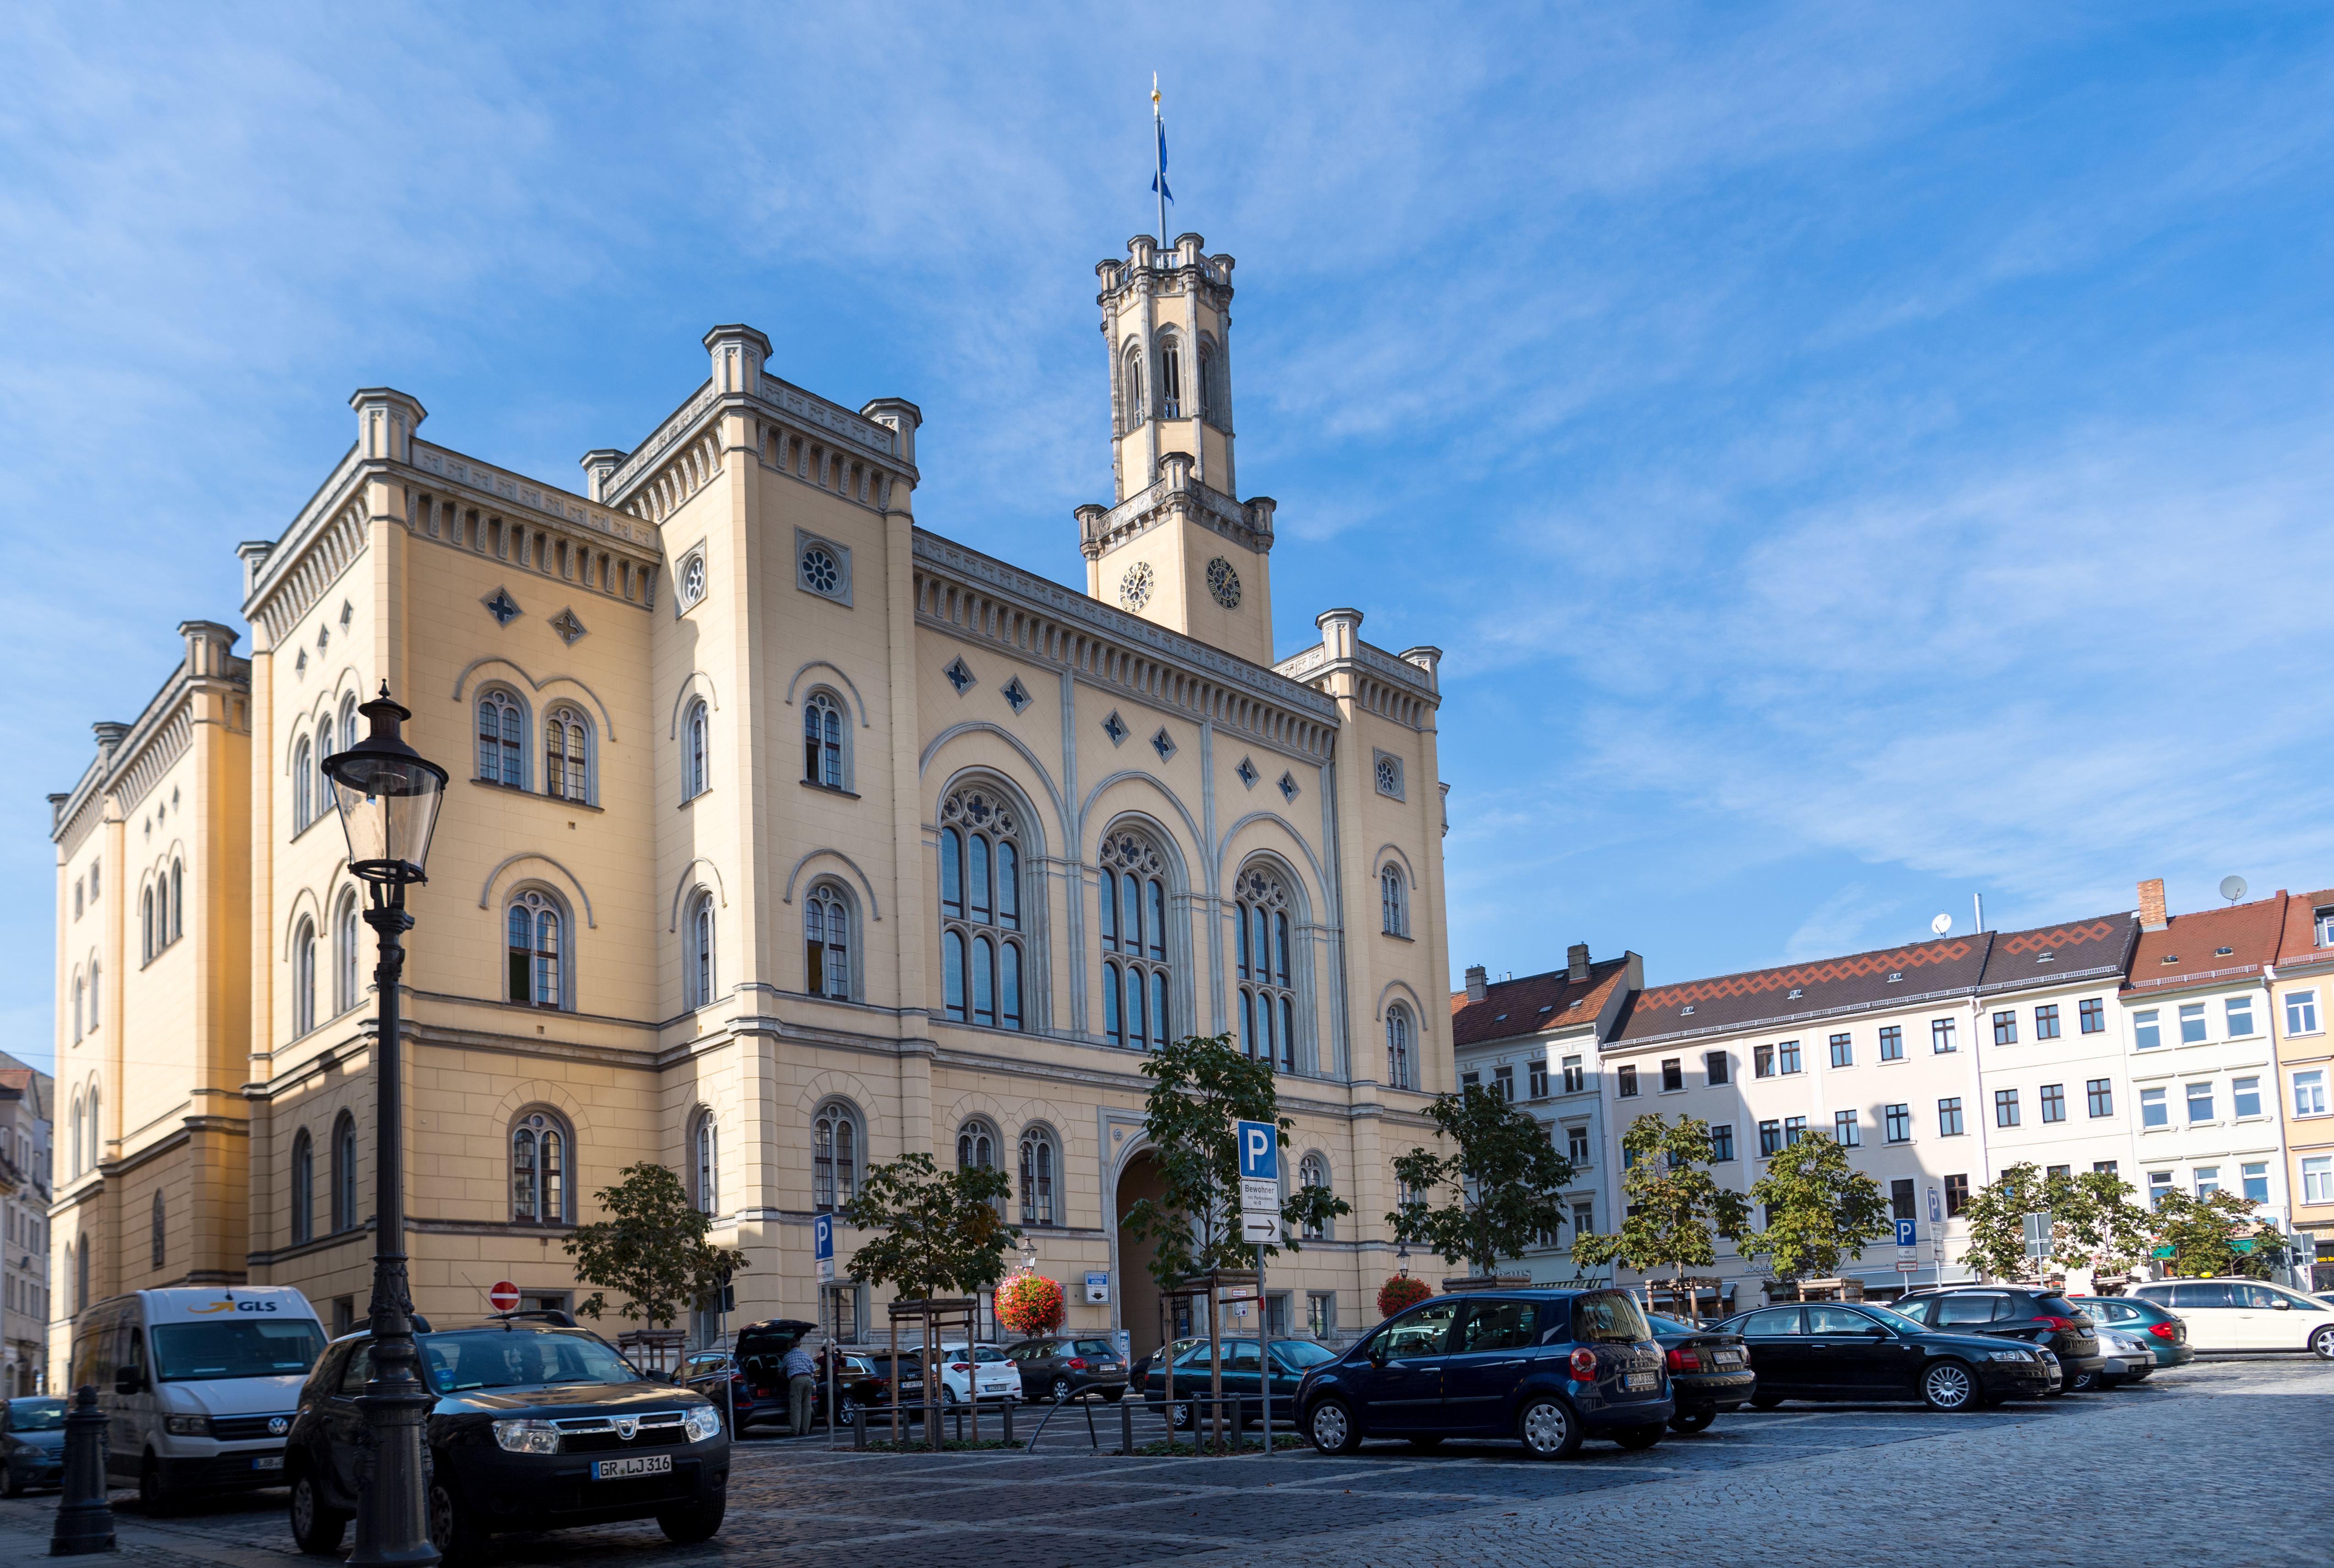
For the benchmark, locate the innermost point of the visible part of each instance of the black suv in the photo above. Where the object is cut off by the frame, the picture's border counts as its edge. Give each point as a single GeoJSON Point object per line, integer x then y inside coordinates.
{"type": "Point", "coordinates": [536, 1426]}
{"type": "Point", "coordinates": [2012, 1312]}
{"type": "Point", "coordinates": [1060, 1366]}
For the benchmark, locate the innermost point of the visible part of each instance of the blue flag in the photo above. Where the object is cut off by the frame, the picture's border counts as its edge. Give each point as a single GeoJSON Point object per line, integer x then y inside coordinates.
{"type": "Point", "coordinates": [1158, 180]}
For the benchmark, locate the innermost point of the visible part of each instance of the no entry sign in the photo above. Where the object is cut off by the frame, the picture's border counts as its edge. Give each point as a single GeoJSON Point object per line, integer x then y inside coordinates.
{"type": "Point", "coordinates": [504, 1296]}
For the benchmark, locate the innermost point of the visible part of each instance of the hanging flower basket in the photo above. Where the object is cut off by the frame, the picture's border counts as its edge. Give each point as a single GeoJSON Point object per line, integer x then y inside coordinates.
{"type": "Point", "coordinates": [1399, 1292]}
{"type": "Point", "coordinates": [1029, 1305]}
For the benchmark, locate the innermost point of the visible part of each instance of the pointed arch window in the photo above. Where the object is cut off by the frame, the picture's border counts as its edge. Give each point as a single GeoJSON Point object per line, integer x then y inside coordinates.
{"type": "Point", "coordinates": [699, 988]}
{"type": "Point", "coordinates": [1132, 890]}
{"type": "Point", "coordinates": [982, 956]}
{"type": "Point", "coordinates": [325, 748]}
{"type": "Point", "coordinates": [147, 944]}
{"type": "Point", "coordinates": [1402, 1047]}
{"type": "Point", "coordinates": [96, 994]}
{"type": "Point", "coordinates": [1264, 967]}
{"type": "Point", "coordinates": [344, 1172]}
{"type": "Point", "coordinates": [823, 730]}
{"type": "Point", "coordinates": [696, 754]}
{"type": "Point", "coordinates": [1313, 1170]}
{"type": "Point", "coordinates": [77, 1007]}
{"type": "Point", "coordinates": [1039, 1158]}
{"type": "Point", "coordinates": [77, 1165]}
{"type": "Point", "coordinates": [835, 1144]}
{"type": "Point", "coordinates": [707, 1148]}
{"type": "Point", "coordinates": [304, 1188]}
{"type": "Point", "coordinates": [177, 899]}
{"type": "Point", "coordinates": [1129, 385]}
{"type": "Point", "coordinates": [567, 756]}
{"type": "Point", "coordinates": [345, 951]}
{"type": "Point", "coordinates": [1392, 902]}
{"type": "Point", "coordinates": [826, 942]}
{"type": "Point", "coordinates": [303, 784]}
{"type": "Point", "coordinates": [303, 978]}
{"type": "Point", "coordinates": [502, 730]}
{"type": "Point", "coordinates": [1170, 378]}
{"type": "Point", "coordinates": [540, 1155]}
{"type": "Point", "coordinates": [534, 951]}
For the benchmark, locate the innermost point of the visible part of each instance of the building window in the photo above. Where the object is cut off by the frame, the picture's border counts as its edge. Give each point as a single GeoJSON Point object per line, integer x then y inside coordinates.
{"type": "Point", "coordinates": [1400, 1046]}
{"type": "Point", "coordinates": [347, 992]}
{"type": "Point", "coordinates": [1949, 1116]}
{"type": "Point", "coordinates": [700, 990]}
{"type": "Point", "coordinates": [1267, 1001]}
{"type": "Point", "coordinates": [1795, 1131]}
{"type": "Point", "coordinates": [2094, 1012]}
{"type": "Point", "coordinates": [1390, 903]}
{"type": "Point", "coordinates": [161, 1232]}
{"type": "Point", "coordinates": [1313, 1171]}
{"type": "Point", "coordinates": [2106, 1167]}
{"type": "Point", "coordinates": [1170, 378]}
{"type": "Point", "coordinates": [2192, 1024]}
{"type": "Point", "coordinates": [1896, 1123]}
{"type": "Point", "coordinates": [1957, 1194]}
{"type": "Point", "coordinates": [533, 952]}
{"type": "Point", "coordinates": [696, 751]}
{"type": "Point", "coordinates": [2208, 1180]}
{"type": "Point", "coordinates": [2101, 1093]}
{"type": "Point", "coordinates": [2302, 1012]}
{"type": "Point", "coordinates": [707, 1148]}
{"type": "Point", "coordinates": [1673, 1074]}
{"type": "Point", "coordinates": [1131, 888]}
{"type": "Point", "coordinates": [826, 943]}
{"type": "Point", "coordinates": [2046, 1021]}
{"type": "Point", "coordinates": [1130, 386]}
{"type": "Point", "coordinates": [1900, 1199]}
{"type": "Point", "coordinates": [303, 785]}
{"type": "Point", "coordinates": [567, 756]}
{"type": "Point", "coordinates": [1762, 1060]}
{"type": "Point", "coordinates": [1321, 1313]}
{"type": "Point", "coordinates": [146, 946]}
{"type": "Point", "coordinates": [1845, 1131]}
{"type": "Point", "coordinates": [303, 978]}
{"type": "Point", "coordinates": [2244, 1097]}
{"type": "Point", "coordinates": [539, 1150]}
{"type": "Point", "coordinates": [304, 1188]}
{"type": "Point", "coordinates": [2054, 1102]}
{"type": "Point", "coordinates": [1628, 1083]}
{"type": "Point", "coordinates": [1941, 1035]}
{"type": "Point", "coordinates": [1576, 1145]}
{"type": "Point", "coordinates": [1786, 1057]}
{"type": "Point", "coordinates": [2005, 1028]}
{"type": "Point", "coordinates": [1770, 1138]}
{"type": "Point", "coordinates": [2240, 1017]}
{"type": "Point", "coordinates": [1891, 1044]}
{"type": "Point", "coordinates": [1503, 1082]}
{"type": "Point", "coordinates": [1713, 1067]}
{"type": "Point", "coordinates": [1842, 1050]}
{"type": "Point", "coordinates": [2310, 1092]}
{"type": "Point", "coordinates": [1721, 1141]}
{"type": "Point", "coordinates": [981, 959]}
{"type": "Point", "coordinates": [1038, 1160]}
{"type": "Point", "coordinates": [1576, 1076]}
{"type": "Point", "coordinates": [2005, 1107]}
{"type": "Point", "coordinates": [2145, 1035]}
{"type": "Point", "coordinates": [502, 734]}
{"type": "Point", "coordinates": [976, 1149]}
{"type": "Point", "coordinates": [344, 1172]}
{"type": "Point", "coordinates": [1539, 1071]}
{"type": "Point", "coordinates": [2255, 1175]}
{"type": "Point", "coordinates": [2318, 1178]}
{"type": "Point", "coordinates": [2153, 1110]}
{"type": "Point", "coordinates": [823, 730]}
{"type": "Point", "coordinates": [177, 899]}
{"type": "Point", "coordinates": [2200, 1102]}
{"type": "Point", "coordinates": [835, 1144]}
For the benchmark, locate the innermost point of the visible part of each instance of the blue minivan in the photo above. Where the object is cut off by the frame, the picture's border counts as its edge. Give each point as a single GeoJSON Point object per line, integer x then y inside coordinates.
{"type": "Point", "coordinates": [1545, 1367]}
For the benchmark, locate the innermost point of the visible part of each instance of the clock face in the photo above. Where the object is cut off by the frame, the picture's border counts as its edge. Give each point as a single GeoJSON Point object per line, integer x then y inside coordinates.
{"type": "Point", "coordinates": [1134, 588]}
{"type": "Point", "coordinates": [1223, 582]}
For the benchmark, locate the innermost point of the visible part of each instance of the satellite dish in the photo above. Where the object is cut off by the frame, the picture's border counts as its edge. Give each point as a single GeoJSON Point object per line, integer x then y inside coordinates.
{"type": "Point", "coordinates": [2233, 888]}
{"type": "Point", "coordinates": [1942, 924]}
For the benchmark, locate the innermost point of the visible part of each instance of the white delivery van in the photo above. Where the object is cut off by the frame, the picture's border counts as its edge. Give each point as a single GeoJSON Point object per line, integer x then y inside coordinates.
{"type": "Point", "coordinates": [197, 1385]}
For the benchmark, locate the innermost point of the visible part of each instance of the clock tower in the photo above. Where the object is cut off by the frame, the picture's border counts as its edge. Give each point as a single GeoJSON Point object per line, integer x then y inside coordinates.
{"type": "Point", "coordinates": [1179, 547]}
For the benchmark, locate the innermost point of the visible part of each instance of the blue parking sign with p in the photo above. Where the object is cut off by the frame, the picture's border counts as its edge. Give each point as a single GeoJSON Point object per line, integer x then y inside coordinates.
{"type": "Point", "coordinates": [1259, 1151]}
{"type": "Point", "coordinates": [1908, 1232]}
{"type": "Point", "coordinates": [822, 1235]}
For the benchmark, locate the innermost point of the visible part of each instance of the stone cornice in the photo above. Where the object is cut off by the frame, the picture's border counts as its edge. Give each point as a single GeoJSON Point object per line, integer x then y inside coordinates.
{"type": "Point", "coordinates": [782, 400]}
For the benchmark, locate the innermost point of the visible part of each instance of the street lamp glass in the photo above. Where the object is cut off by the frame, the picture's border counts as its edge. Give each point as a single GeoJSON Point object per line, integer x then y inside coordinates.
{"type": "Point", "coordinates": [387, 795]}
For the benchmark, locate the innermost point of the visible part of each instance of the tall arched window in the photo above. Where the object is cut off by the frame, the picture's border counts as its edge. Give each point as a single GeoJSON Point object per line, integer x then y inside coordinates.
{"type": "Point", "coordinates": [1039, 1158]}
{"type": "Point", "coordinates": [161, 1232]}
{"type": "Point", "coordinates": [344, 1172]}
{"type": "Point", "coordinates": [695, 756]}
{"type": "Point", "coordinates": [303, 978]}
{"type": "Point", "coordinates": [539, 1157]}
{"type": "Point", "coordinates": [1170, 378]}
{"type": "Point", "coordinates": [1268, 998]}
{"type": "Point", "coordinates": [78, 1165]}
{"type": "Point", "coordinates": [303, 784]}
{"type": "Point", "coordinates": [349, 720]}
{"type": "Point", "coordinates": [1392, 903]}
{"type": "Point", "coordinates": [96, 1143]}
{"type": "Point", "coordinates": [1402, 1047]}
{"type": "Point", "coordinates": [81, 1275]}
{"type": "Point", "coordinates": [1129, 384]}
{"type": "Point", "coordinates": [700, 942]}
{"type": "Point", "coordinates": [346, 990]}
{"type": "Point", "coordinates": [96, 994]}
{"type": "Point", "coordinates": [177, 899]}
{"type": "Point", "coordinates": [77, 1006]}
{"type": "Point", "coordinates": [146, 924]}
{"type": "Point", "coordinates": [325, 748]}
{"type": "Point", "coordinates": [707, 1147]}
{"type": "Point", "coordinates": [534, 951]}
{"type": "Point", "coordinates": [1205, 390]}
{"type": "Point", "coordinates": [826, 942]}
{"type": "Point", "coordinates": [567, 756]}
{"type": "Point", "coordinates": [982, 958]}
{"type": "Point", "coordinates": [976, 1146]}
{"type": "Point", "coordinates": [822, 740]}
{"type": "Point", "coordinates": [1313, 1170]}
{"type": "Point", "coordinates": [304, 1188]}
{"type": "Point", "coordinates": [502, 731]}
{"type": "Point", "coordinates": [834, 1158]}
{"type": "Point", "coordinates": [1132, 894]}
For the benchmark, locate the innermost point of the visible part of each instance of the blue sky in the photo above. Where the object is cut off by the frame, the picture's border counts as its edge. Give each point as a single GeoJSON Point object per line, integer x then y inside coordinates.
{"type": "Point", "coordinates": [1854, 457]}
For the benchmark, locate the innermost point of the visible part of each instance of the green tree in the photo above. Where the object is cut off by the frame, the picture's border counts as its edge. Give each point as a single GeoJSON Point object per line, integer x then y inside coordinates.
{"type": "Point", "coordinates": [1818, 1207]}
{"type": "Point", "coordinates": [2095, 1218]}
{"type": "Point", "coordinates": [1504, 1178]}
{"type": "Point", "coordinates": [1201, 1085]}
{"type": "Point", "coordinates": [651, 1249]}
{"type": "Point", "coordinates": [1674, 1204]}
{"type": "Point", "coordinates": [940, 1232]}
{"type": "Point", "coordinates": [2217, 1235]}
{"type": "Point", "coordinates": [1996, 1217]}
{"type": "Point", "coordinates": [2093, 1221]}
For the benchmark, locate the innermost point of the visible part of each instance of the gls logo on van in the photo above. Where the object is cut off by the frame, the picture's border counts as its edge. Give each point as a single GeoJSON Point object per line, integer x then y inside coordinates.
{"type": "Point", "coordinates": [233, 1307]}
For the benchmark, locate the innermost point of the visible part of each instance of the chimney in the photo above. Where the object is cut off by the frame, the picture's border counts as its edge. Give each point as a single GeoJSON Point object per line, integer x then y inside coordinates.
{"type": "Point", "coordinates": [1577, 959]}
{"type": "Point", "coordinates": [2151, 904]}
{"type": "Point", "coordinates": [1476, 988]}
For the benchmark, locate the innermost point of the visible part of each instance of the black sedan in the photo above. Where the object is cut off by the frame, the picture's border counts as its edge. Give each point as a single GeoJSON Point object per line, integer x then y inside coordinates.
{"type": "Point", "coordinates": [1860, 1351]}
{"type": "Point", "coordinates": [1710, 1370]}
{"type": "Point", "coordinates": [2029, 1313]}
{"type": "Point", "coordinates": [33, 1445]}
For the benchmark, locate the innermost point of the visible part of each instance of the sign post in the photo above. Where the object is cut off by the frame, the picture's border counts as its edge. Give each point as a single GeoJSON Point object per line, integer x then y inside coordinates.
{"type": "Point", "coordinates": [2037, 1239]}
{"type": "Point", "coordinates": [1259, 1171]}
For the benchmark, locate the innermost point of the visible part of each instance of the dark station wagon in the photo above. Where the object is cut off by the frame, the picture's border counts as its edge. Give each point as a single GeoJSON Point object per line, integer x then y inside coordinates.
{"type": "Point", "coordinates": [1547, 1368]}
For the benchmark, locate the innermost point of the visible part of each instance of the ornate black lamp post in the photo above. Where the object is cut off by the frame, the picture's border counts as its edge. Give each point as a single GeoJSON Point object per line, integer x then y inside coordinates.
{"type": "Point", "coordinates": [387, 795]}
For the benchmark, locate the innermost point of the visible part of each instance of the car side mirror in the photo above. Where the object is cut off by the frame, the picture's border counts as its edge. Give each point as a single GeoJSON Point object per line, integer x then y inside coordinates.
{"type": "Point", "coordinates": [1378, 1357]}
{"type": "Point", "coordinates": [129, 1380]}
{"type": "Point", "coordinates": [2281, 1305]}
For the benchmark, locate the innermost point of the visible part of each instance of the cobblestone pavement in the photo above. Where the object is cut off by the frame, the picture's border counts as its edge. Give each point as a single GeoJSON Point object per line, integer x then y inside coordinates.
{"type": "Point", "coordinates": [2215, 1462]}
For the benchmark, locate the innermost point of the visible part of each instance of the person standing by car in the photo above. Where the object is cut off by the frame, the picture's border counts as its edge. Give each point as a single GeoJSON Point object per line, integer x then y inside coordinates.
{"type": "Point", "coordinates": [802, 1388]}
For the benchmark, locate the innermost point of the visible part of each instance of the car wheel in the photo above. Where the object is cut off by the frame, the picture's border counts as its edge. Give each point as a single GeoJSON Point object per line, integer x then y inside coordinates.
{"type": "Point", "coordinates": [699, 1522]}
{"type": "Point", "coordinates": [1181, 1418]}
{"type": "Point", "coordinates": [1333, 1429]}
{"type": "Point", "coordinates": [1765, 1401]}
{"type": "Point", "coordinates": [1111, 1396]}
{"type": "Point", "coordinates": [947, 1395]}
{"type": "Point", "coordinates": [2322, 1343]}
{"type": "Point", "coordinates": [1548, 1429]}
{"type": "Point", "coordinates": [2083, 1383]}
{"type": "Point", "coordinates": [1060, 1391]}
{"type": "Point", "coordinates": [454, 1530]}
{"type": "Point", "coordinates": [848, 1413]}
{"type": "Point", "coordinates": [152, 1496]}
{"type": "Point", "coordinates": [315, 1526]}
{"type": "Point", "coordinates": [1636, 1438]}
{"type": "Point", "coordinates": [1429, 1441]}
{"type": "Point", "coordinates": [1692, 1421]}
{"type": "Point", "coordinates": [1949, 1385]}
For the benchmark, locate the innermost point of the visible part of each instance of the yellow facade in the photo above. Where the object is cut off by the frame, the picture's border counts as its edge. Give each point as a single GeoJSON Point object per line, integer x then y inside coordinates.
{"type": "Point", "coordinates": [725, 704]}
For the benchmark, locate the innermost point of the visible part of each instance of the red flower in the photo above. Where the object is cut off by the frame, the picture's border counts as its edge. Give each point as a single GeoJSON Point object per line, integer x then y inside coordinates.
{"type": "Point", "coordinates": [1400, 1290]}
{"type": "Point", "coordinates": [1029, 1305]}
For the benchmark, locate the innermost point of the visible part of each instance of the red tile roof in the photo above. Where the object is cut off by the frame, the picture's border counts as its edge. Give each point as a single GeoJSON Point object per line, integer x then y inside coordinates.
{"type": "Point", "coordinates": [1536, 1001]}
{"type": "Point", "coordinates": [2188, 950]}
{"type": "Point", "coordinates": [2298, 944]}
{"type": "Point", "coordinates": [1731, 1001]}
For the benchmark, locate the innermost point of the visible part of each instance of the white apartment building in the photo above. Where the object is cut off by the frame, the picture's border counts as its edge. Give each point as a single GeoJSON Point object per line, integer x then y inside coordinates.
{"type": "Point", "coordinates": [1536, 1041]}
{"type": "Point", "coordinates": [26, 1104]}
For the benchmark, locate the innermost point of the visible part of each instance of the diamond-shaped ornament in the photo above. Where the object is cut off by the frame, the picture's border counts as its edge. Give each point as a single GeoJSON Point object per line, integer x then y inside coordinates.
{"type": "Point", "coordinates": [568, 625]}
{"type": "Point", "coordinates": [502, 607]}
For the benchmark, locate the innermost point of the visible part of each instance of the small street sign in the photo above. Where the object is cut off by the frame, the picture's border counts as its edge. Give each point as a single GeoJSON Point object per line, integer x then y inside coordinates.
{"type": "Point", "coordinates": [504, 1296]}
{"type": "Point", "coordinates": [1259, 1151]}
{"type": "Point", "coordinates": [1908, 1232]}
{"type": "Point", "coordinates": [822, 1247]}
{"type": "Point", "coordinates": [1905, 1268]}
{"type": "Point", "coordinates": [1260, 1229]}
{"type": "Point", "coordinates": [1936, 1209]}
{"type": "Point", "coordinates": [1097, 1286]}
{"type": "Point", "coordinates": [1261, 1197]}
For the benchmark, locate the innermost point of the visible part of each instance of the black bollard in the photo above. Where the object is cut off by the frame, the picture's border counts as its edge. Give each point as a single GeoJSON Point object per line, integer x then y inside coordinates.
{"type": "Point", "coordinates": [84, 1517]}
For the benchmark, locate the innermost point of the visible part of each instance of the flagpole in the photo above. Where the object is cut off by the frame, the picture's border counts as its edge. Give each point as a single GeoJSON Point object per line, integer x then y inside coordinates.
{"type": "Point", "coordinates": [1159, 140]}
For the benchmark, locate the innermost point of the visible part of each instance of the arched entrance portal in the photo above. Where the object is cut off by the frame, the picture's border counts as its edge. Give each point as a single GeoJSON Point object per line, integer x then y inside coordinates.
{"type": "Point", "coordinates": [1138, 1293]}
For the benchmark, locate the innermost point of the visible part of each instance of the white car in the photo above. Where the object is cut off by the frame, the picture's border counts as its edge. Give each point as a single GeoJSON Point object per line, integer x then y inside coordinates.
{"type": "Point", "coordinates": [999, 1379]}
{"type": "Point", "coordinates": [2245, 1315]}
